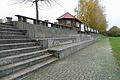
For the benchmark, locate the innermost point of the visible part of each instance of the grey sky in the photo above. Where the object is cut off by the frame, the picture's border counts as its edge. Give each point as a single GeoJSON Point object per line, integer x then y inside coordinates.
{"type": "Point", "coordinates": [112, 12]}
{"type": "Point", "coordinates": [7, 8]}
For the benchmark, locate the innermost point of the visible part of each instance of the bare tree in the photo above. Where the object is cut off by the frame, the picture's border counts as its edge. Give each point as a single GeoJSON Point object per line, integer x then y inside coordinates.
{"type": "Point", "coordinates": [36, 2]}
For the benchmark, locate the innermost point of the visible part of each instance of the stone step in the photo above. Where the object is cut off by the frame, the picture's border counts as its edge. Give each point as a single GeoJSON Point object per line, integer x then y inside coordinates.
{"type": "Point", "coordinates": [17, 58]}
{"type": "Point", "coordinates": [8, 41]}
{"type": "Point", "coordinates": [11, 68]}
{"type": "Point", "coordinates": [23, 72]}
{"type": "Point", "coordinates": [16, 45]}
{"type": "Point", "coordinates": [13, 36]}
{"type": "Point", "coordinates": [7, 26]}
{"type": "Point", "coordinates": [5, 53]}
{"type": "Point", "coordinates": [11, 29]}
{"type": "Point", "coordinates": [11, 32]}
{"type": "Point", "coordinates": [63, 51]}
{"type": "Point", "coordinates": [20, 55]}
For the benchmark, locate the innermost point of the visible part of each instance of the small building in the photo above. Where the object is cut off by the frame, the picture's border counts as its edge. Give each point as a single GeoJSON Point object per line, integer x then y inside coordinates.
{"type": "Point", "coordinates": [69, 20]}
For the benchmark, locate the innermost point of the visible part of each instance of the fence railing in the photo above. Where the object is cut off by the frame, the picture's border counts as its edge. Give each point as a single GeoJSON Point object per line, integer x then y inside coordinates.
{"type": "Point", "coordinates": [45, 23]}
{"type": "Point", "coordinates": [49, 24]}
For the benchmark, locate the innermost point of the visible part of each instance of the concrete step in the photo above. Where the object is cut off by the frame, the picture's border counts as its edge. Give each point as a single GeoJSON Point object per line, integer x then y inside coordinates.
{"type": "Point", "coordinates": [16, 45]}
{"type": "Point", "coordinates": [11, 29]}
{"type": "Point", "coordinates": [11, 32]}
{"type": "Point", "coordinates": [7, 26]}
{"type": "Point", "coordinates": [5, 53]}
{"type": "Point", "coordinates": [11, 68]}
{"type": "Point", "coordinates": [13, 36]}
{"type": "Point", "coordinates": [20, 57]}
{"type": "Point", "coordinates": [8, 41]}
{"type": "Point", "coordinates": [19, 74]}
{"type": "Point", "coordinates": [63, 51]}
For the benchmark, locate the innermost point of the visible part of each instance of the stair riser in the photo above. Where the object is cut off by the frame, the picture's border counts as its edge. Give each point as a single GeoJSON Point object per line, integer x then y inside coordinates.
{"type": "Point", "coordinates": [16, 46]}
{"type": "Point", "coordinates": [13, 37]}
{"type": "Point", "coordinates": [6, 26]}
{"type": "Point", "coordinates": [7, 34]}
{"type": "Point", "coordinates": [18, 59]}
{"type": "Point", "coordinates": [13, 30]}
{"type": "Point", "coordinates": [5, 54]}
{"type": "Point", "coordinates": [17, 68]}
{"type": "Point", "coordinates": [14, 41]}
{"type": "Point", "coordinates": [22, 77]}
{"type": "Point", "coordinates": [11, 33]}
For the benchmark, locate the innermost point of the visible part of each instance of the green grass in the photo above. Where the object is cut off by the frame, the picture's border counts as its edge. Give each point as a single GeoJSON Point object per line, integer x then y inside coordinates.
{"type": "Point", "coordinates": [115, 43]}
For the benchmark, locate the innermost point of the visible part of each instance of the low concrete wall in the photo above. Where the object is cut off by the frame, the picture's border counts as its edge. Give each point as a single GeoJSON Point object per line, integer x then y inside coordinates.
{"type": "Point", "coordinates": [66, 50]}
{"type": "Point", "coordinates": [38, 31]}
{"type": "Point", "coordinates": [51, 36]}
{"type": "Point", "coordinates": [52, 42]}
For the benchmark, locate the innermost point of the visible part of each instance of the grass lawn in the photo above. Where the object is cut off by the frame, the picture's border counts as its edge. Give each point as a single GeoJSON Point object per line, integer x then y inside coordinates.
{"type": "Point", "coordinates": [115, 43]}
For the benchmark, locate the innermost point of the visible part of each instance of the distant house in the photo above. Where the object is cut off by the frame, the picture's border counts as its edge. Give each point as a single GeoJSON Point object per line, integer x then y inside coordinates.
{"type": "Point", "coordinates": [69, 20]}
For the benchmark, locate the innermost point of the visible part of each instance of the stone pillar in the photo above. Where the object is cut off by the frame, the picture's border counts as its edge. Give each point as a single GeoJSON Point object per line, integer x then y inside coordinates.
{"type": "Point", "coordinates": [80, 27]}
{"type": "Point", "coordinates": [24, 19]}
{"type": "Point", "coordinates": [84, 28]}
{"type": "Point", "coordinates": [34, 21]}
{"type": "Point", "coordinates": [19, 18]}
{"type": "Point", "coordinates": [38, 22]}
{"type": "Point", "coordinates": [1, 20]}
{"type": "Point", "coordinates": [46, 22]}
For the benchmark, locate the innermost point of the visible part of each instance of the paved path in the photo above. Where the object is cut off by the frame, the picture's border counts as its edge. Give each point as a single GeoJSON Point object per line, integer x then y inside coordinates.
{"type": "Point", "coordinates": [95, 62]}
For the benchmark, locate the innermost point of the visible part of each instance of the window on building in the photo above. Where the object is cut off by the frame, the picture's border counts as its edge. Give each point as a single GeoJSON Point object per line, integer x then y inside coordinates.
{"type": "Point", "coordinates": [68, 22]}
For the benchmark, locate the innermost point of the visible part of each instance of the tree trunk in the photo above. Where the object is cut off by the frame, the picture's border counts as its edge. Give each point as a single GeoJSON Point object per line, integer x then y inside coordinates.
{"type": "Point", "coordinates": [37, 12]}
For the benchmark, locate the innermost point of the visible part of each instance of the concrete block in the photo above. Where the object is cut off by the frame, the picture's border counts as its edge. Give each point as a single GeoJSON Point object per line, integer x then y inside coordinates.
{"type": "Point", "coordinates": [69, 49]}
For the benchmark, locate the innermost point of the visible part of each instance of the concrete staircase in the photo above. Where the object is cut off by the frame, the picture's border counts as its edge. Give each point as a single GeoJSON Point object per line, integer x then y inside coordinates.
{"type": "Point", "coordinates": [20, 55]}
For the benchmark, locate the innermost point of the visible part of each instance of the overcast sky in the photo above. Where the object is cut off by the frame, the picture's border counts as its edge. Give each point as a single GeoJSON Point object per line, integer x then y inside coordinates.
{"type": "Point", "coordinates": [9, 9]}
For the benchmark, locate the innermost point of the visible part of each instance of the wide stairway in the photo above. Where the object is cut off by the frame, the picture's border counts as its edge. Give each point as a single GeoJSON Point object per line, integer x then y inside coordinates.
{"type": "Point", "coordinates": [20, 55]}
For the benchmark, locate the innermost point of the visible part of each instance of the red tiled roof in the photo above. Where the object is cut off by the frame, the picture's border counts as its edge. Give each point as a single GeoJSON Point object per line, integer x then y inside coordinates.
{"type": "Point", "coordinates": [67, 15]}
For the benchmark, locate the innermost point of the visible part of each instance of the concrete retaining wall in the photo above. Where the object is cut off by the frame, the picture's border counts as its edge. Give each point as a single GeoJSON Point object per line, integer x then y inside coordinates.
{"type": "Point", "coordinates": [52, 42]}
{"type": "Point", "coordinates": [36, 31]}
{"type": "Point", "coordinates": [59, 40]}
{"type": "Point", "coordinates": [66, 50]}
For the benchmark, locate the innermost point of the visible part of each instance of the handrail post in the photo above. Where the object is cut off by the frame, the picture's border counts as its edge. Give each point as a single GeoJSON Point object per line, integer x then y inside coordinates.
{"type": "Point", "coordinates": [38, 22]}
{"type": "Point", "coordinates": [24, 19]}
{"type": "Point", "coordinates": [34, 21]}
{"type": "Point", "coordinates": [19, 18]}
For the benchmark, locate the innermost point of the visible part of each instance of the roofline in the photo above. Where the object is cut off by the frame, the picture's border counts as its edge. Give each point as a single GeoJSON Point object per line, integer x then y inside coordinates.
{"type": "Point", "coordinates": [71, 19]}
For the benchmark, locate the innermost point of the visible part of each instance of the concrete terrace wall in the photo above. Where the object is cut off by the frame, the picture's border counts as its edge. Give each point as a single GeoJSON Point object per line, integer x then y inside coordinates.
{"type": "Point", "coordinates": [52, 42]}
{"type": "Point", "coordinates": [37, 31]}
{"type": "Point", "coordinates": [49, 34]}
{"type": "Point", "coordinates": [66, 50]}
